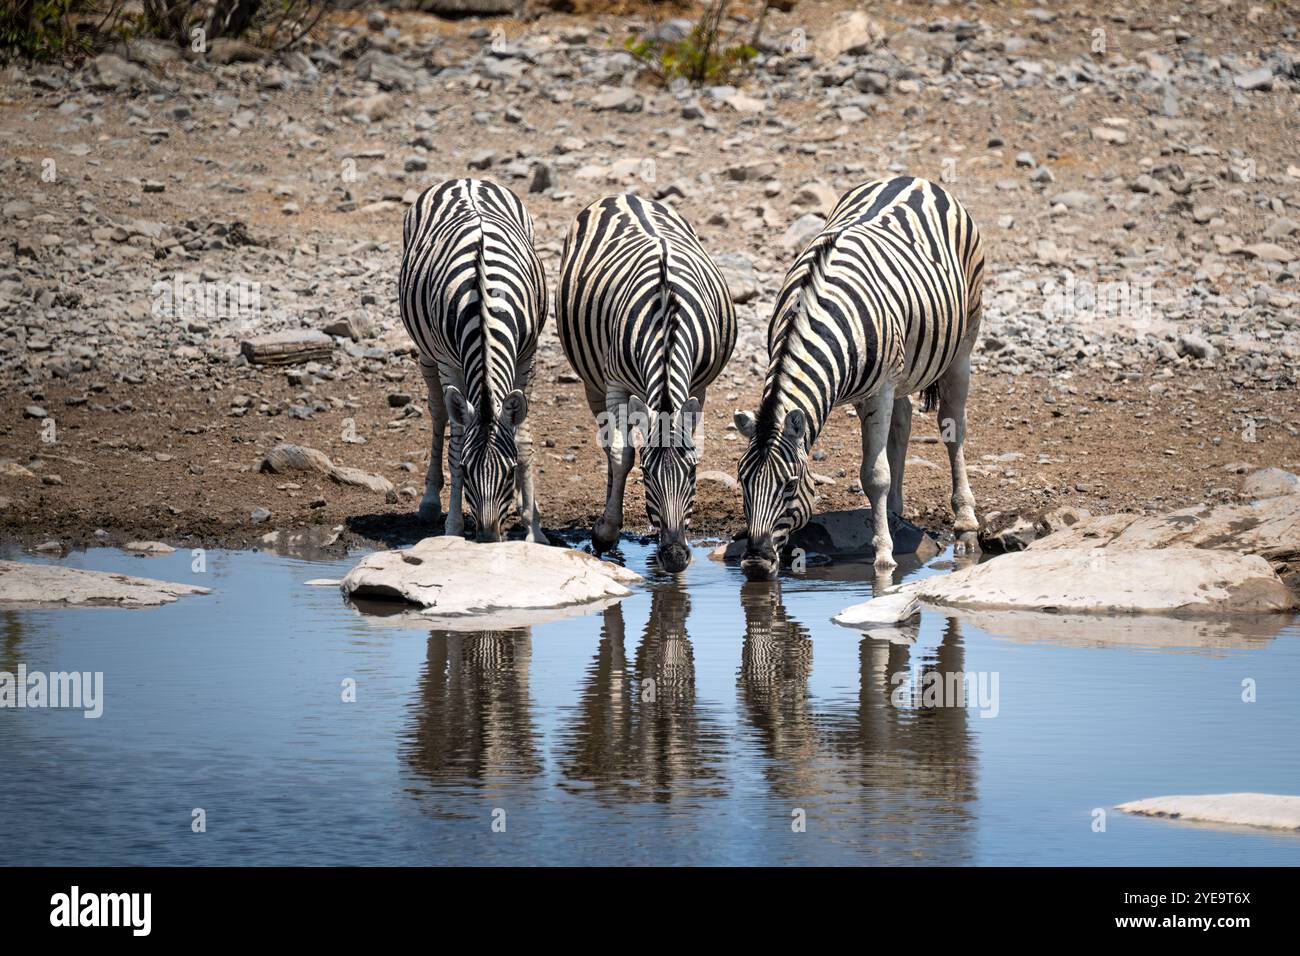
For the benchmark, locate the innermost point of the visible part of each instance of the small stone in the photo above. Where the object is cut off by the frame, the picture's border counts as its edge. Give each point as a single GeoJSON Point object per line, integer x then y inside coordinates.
{"type": "Point", "coordinates": [620, 99]}
{"type": "Point", "coordinates": [1196, 347]}
{"type": "Point", "coordinates": [1261, 79]}
{"type": "Point", "coordinates": [148, 547]}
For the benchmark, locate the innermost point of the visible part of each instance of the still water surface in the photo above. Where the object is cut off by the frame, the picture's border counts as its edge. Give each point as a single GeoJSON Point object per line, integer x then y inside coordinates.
{"type": "Point", "coordinates": [691, 724]}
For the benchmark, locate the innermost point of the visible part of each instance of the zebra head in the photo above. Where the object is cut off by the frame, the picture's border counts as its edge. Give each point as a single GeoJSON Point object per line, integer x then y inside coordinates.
{"type": "Point", "coordinates": [489, 457]}
{"type": "Point", "coordinates": [669, 454]}
{"type": "Point", "coordinates": [776, 486]}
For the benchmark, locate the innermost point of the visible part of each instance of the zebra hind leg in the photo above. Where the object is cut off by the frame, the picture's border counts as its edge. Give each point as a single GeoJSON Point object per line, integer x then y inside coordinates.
{"type": "Point", "coordinates": [900, 430]}
{"type": "Point", "coordinates": [875, 413]}
{"type": "Point", "coordinates": [431, 504]}
{"type": "Point", "coordinates": [954, 387]}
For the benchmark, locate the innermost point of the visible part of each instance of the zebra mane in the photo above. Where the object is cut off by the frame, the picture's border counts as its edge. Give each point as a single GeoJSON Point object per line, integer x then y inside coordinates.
{"type": "Point", "coordinates": [668, 303]}
{"type": "Point", "coordinates": [487, 413]}
{"type": "Point", "coordinates": [792, 298]}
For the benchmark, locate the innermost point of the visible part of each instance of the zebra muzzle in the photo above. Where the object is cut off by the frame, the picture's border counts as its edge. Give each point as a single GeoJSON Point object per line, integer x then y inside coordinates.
{"type": "Point", "coordinates": [760, 560]}
{"type": "Point", "coordinates": [674, 556]}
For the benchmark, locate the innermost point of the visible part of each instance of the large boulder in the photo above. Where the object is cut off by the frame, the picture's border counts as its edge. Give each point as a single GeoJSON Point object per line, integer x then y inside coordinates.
{"type": "Point", "coordinates": [853, 34]}
{"type": "Point", "coordinates": [1088, 581]}
{"type": "Point", "coordinates": [848, 533]}
{"type": "Point", "coordinates": [1273, 811]}
{"type": "Point", "coordinates": [286, 459]}
{"type": "Point", "coordinates": [1269, 528]}
{"type": "Point", "coordinates": [1006, 531]}
{"type": "Point", "coordinates": [109, 71]}
{"type": "Point", "coordinates": [452, 577]}
{"type": "Point", "coordinates": [387, 70]}
{"type": "Point", "coordinates": [843, 534]}
{"type": "Point", "coordinates": [883, 611]}
{"type": "Point", "coordinates": [51, 585]}
{"type": "Point", "coordinates": [1269, 483]}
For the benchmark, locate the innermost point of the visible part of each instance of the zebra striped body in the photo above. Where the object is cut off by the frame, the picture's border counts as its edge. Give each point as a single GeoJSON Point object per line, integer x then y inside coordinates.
{"type": "Point", "coordinates": [473, 299]}
{"type": "Point", "coordinates": [647, 322]}
{"type": "Point", "coordinates": [885, 301]}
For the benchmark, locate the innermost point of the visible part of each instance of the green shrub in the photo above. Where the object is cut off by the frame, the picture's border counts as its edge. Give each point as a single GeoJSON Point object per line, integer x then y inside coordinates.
{"type": "Point", "coordinates": [700, 57]}
{"type": "Point", "coordinates": [70, 29]}
{"type": "Point", "coordinates": [45, 29]}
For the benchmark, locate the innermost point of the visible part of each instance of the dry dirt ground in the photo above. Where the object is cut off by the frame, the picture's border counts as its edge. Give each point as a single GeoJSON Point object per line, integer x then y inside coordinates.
{"type": "Point", "coordinates": [162, 451]}
{"type": "Point", "coordinates": [179, 473]}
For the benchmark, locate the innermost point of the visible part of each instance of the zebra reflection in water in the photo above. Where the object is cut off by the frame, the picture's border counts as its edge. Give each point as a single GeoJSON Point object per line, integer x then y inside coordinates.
{"type": "Point", "coordinates": [473, 721]}
{"type": "Point", "coordinates": [775, 662]}
{"type": "Point", "coordinates": [639, 734]}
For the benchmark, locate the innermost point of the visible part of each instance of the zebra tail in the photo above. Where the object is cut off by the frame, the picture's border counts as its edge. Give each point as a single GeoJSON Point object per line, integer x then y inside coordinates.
{"type": "Point", "coordinates": [930, 397]}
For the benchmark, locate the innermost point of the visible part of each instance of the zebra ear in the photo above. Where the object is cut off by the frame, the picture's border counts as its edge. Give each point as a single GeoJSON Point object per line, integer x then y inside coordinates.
{"type": "Point", "coordinates": [795, 426]}
{"type": "Point", "coordinates": [514, 409]}
{"type": "Point", "coordinates": [745, 423]}
{"type": "Point", "coordinates": [458, 410]}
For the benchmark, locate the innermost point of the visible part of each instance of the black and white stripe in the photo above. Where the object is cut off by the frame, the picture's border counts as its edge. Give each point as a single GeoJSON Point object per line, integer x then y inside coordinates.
{"type": "Point", "coordinates": [885, 301]}
{"type": "Point", "coordinates": [647, 323]}
{"type": "Point", "coordinates": [473, 298]}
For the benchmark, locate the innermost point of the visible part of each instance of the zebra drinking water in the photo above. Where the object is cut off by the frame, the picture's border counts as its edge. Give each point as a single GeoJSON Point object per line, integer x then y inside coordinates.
{"type": "Point", "coordinates": [647, 323]}
{"type": "Point", "coordinates": [473, 299]}
{"type": "Point", "coordinates": [885, 301]}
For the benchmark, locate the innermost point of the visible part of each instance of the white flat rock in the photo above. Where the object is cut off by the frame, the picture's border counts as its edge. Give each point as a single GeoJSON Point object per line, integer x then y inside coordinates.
{"type": "Point", "coordinates": [51, 585]}
{"type": "Point", "coordinates": [886, 610]}
{"type": "Point", "coordinates": [1269, 810]}
{"type": "Point", "coordinates": [1268, 527]}
{"type": "Point", "coordinates": [452, 577]}
{"type": "Point", "coordinates": [1175, 580]}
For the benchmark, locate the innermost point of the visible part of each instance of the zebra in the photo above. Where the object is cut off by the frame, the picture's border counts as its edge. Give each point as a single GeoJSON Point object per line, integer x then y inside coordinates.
{"type": "Point", "coordinates": [883, 302]}
{"type": "Point", "coordinates": [473, 299]}
{"type": "Point", "coordinates": [647, 323]}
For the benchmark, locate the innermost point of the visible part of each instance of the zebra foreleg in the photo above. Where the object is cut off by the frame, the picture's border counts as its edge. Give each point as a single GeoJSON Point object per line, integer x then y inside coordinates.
{"type": "Point", "coordinates": [431, 504]}
{"type": "Point", "coordinates": [528, 510]}
{"type": "Point", "coordinates": [875, 413]}
{"type": "Point", "coordinates": [455, 518]}
{"type": "Point", "coordinates": [620, 453]}
{"type": "Point", "coordinates": [954, 386]}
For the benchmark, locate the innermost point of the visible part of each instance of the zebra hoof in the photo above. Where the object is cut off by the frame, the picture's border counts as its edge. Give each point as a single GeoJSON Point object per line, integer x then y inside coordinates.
{"type": "Point", "coordinates": [966, 545]}
{"type": "Point", "coordinates": [430, 514]}
{"type": "Point", "coordinates": [604, 536]}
